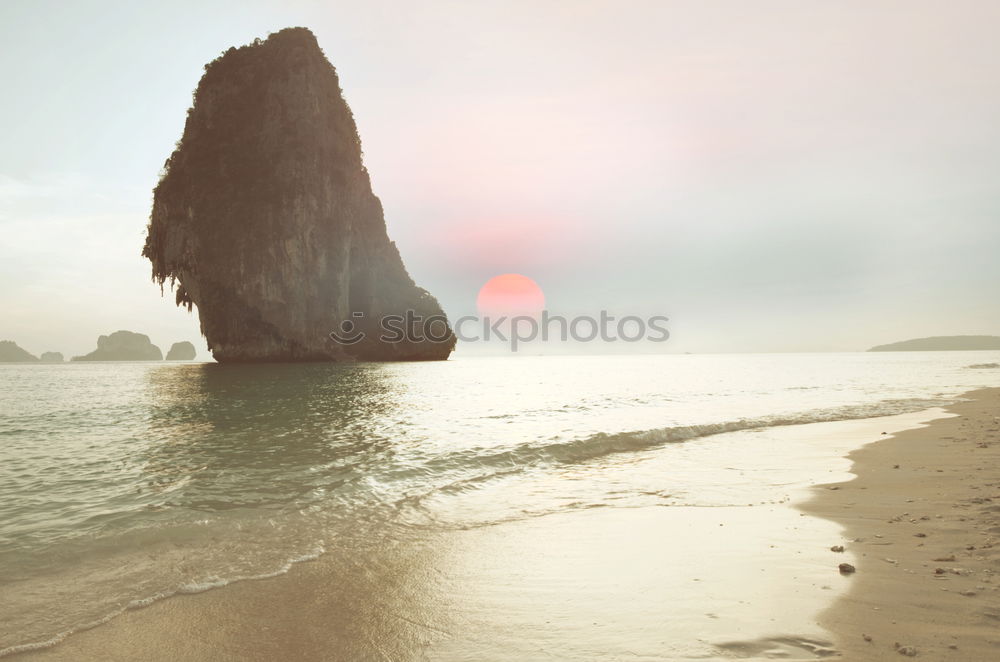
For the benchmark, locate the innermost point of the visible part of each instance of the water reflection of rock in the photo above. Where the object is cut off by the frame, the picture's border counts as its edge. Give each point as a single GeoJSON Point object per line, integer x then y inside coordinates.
{"type": "Point", "coordinates": [258, 446]}
{"type": "Point", "coordinates": [273, 436]}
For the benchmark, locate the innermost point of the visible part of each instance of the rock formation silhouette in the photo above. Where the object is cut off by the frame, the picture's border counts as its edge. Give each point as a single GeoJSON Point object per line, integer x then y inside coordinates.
{"type": "Point", "coordinates": [123, 346]}
{"type": "Point", "coordinates": [11, 353]}
{"type": "Point", "coordinates": [265, 219]}
{"type": "Point", "coordinates": [52, 357]}
{"type": "Point", "coordinates": [182, 351]}
{"type": "Point", "coordinates": [941, 344]}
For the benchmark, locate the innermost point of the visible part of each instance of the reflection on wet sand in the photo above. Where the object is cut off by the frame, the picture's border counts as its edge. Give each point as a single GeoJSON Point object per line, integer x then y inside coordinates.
{"type": "Point", "coordinates": [600, 583]}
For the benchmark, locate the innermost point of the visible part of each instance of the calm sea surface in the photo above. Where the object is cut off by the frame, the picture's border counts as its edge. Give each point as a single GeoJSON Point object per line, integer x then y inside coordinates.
{"type": "Point", "coordinates": [124, 483]}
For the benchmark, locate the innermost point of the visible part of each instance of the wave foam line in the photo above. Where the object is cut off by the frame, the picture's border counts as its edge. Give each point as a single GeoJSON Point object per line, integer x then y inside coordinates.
{"type": "Point", "coordinates": [184, 589]}
{"type": "Point", "coordinates": [602, 444]}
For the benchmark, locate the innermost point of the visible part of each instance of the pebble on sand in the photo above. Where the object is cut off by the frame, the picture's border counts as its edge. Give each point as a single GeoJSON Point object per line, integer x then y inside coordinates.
{"type": "Point", "coordinates": [846, 568]}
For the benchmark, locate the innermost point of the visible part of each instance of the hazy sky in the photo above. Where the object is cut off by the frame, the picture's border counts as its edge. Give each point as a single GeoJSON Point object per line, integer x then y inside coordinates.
{"type": "Point", "coordinates": [772, 175]}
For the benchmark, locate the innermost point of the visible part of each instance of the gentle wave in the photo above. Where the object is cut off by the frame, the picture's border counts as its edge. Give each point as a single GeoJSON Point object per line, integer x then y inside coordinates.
{"type": "Point", "coordinates": [584, 449]}
{"type": "Point", "coordinates": [503, 465]}
{"type": "Point", "coordinates": [184, 589]}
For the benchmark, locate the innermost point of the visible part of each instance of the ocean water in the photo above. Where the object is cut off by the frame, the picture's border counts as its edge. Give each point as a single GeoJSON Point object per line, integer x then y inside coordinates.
{"type": "Point", "coordinates": [121, 484]}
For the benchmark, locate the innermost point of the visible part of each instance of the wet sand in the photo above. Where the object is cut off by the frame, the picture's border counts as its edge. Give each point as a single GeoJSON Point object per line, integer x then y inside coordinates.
{"type": "Point", "coordinates": [647, 583]}
{"type": "Point", "coordinates": [922, 522]}
{"type": "Point", "coordinates": [610, 583]}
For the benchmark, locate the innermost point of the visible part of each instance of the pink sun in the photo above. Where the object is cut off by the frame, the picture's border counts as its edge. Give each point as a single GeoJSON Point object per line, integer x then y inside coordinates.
{"type": "Point", "coordinates": [510, 295]}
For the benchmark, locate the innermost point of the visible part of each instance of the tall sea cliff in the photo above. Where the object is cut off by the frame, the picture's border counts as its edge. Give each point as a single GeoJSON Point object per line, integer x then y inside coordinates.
{"type": "Point", "coordinates": [265, 219]}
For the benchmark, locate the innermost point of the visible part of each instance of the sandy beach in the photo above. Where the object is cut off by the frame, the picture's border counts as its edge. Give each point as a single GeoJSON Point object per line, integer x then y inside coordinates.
{"type": "Point", "coordinates": [922, 527]}
{"type": "Point", "coordinates": [612, 583]}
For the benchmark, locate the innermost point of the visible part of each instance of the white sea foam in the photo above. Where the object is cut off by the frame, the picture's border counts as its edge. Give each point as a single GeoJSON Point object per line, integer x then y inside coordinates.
{"type": "Point", "coordinates": [185, 589]}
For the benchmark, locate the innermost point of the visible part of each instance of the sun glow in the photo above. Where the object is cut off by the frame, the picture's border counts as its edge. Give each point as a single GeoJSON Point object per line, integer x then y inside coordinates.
{"type": "Point", "coordinates": [510, 295]}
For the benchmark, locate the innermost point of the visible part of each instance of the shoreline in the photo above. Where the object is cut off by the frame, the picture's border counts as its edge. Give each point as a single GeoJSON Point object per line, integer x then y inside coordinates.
{"type": "Point", "coordinates": [307, 610]}
{"type": "Point", "coordinates": [921, 523]}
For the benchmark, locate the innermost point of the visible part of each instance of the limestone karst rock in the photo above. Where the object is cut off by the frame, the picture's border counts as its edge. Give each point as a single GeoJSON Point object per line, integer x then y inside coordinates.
{"type": "Point", "coordinates": [11, 353]}
{"type": "Point", "coordinates": [182, 351]}
{"type": "Point", "coordinates": [123, 346]}
{"type": "Point", "coordinates": [52, 357]}
{"type": "Point", "coordinates": [265, 219]}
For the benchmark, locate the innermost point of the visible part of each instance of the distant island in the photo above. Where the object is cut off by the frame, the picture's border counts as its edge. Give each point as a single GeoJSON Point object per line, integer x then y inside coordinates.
{"type": "Point", "coordinates": [123, 346]}
{"type": "Point", "coordinates": [941, 344]}
{"type": "Point", "coordinates": [119, 346]}
{"type": "Point", "coordinates": [182, 351]}
{"type": "Point", "coordinates": [11, 353]}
